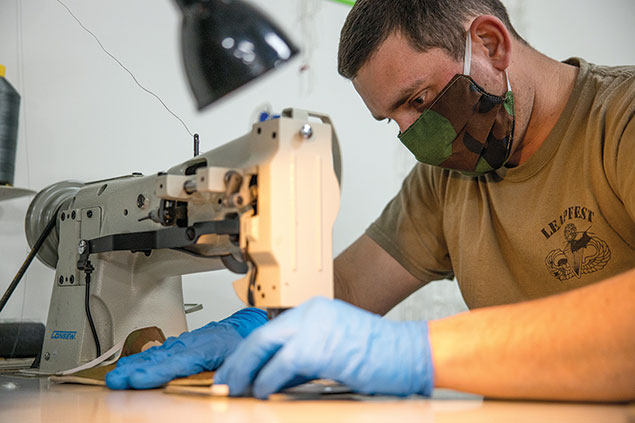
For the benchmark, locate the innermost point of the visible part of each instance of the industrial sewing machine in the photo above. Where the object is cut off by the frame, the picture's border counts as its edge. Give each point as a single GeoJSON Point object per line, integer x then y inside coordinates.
{"type": "Point", "coordinates": [262, 206]}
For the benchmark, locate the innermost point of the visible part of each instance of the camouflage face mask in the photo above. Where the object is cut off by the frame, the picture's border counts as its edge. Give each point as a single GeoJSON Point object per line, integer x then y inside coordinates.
{"type": "Point", "coordinates": [465, 128]}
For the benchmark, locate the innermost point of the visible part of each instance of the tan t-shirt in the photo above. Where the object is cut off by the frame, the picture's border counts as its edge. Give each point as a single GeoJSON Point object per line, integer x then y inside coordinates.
{"type": "Point", "coordinates": [563, 219]}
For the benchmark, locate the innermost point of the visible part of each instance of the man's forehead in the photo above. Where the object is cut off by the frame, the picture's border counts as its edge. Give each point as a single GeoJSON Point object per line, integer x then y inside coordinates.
{"type": "Point", "coordinates": [390, 56]}
{"type": "Point", "coordinates": [396, 58]}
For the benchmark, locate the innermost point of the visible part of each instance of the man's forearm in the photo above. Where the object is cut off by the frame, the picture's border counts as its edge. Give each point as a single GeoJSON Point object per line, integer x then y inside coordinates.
{"type": "Point", "coordinates": [579, 345]}
{"type": "Point", "coordinates": [368, 277]}
{"type": "Point", "coordinates": [342, 289]}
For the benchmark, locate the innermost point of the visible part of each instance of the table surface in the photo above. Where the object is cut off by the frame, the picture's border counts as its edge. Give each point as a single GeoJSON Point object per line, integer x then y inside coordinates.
{"type": "Point", "coordinates": [8, 192]}
{"type": "Point", "coordinates": [27, 400]}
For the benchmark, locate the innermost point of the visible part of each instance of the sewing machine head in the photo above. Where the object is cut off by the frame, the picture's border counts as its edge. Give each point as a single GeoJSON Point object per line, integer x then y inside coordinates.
{"type": "Point", "coordinates": [262, 206]}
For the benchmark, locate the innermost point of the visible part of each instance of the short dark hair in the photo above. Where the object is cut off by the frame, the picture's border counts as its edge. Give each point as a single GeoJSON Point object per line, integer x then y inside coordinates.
{"type": "Point", "coordinates": [424, 23]}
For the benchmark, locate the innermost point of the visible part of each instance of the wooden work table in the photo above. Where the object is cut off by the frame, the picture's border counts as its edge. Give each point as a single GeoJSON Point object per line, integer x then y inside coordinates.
{"type": "Point", "coordinates": [26, 400]}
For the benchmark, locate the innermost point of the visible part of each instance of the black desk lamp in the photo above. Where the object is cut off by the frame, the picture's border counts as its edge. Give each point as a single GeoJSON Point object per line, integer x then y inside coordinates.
{"type": "Point", "coordinates": [226, 44]}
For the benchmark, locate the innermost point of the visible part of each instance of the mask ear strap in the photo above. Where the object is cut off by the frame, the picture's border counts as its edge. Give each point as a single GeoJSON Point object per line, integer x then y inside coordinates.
{"type": "Point", "coordinates": [509, 87]}
{"type": "Point", "coordinates": [467, 60]}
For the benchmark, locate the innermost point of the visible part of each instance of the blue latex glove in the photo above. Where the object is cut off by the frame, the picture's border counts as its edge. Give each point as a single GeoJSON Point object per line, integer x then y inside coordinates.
{"type": "Point", "coordinates": [334, 340]}
{"type": "Point", "coordinates": [189, 353]}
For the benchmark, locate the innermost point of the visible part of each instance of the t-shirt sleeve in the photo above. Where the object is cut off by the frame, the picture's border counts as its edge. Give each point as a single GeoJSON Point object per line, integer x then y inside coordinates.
{"type": "Point", "coordinates": [619, 160]}
{"type": "Point", "coordinates": [410, 228]}
{"type": "Point", "coordinates": [625, 168]}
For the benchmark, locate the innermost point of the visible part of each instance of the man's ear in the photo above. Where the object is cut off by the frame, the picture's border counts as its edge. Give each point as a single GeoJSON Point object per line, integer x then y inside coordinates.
{"type": "Point", "coordinates": [491, 38]}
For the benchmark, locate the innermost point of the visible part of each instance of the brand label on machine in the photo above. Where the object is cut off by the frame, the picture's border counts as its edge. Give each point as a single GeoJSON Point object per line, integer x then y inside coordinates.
{"type": "Point", "coordinates": [64, 334]}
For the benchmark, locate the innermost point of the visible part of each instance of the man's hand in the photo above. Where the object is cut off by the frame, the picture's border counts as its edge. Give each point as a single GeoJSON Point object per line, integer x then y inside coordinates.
{"type": "Point", "coordinates": [189, 353]}
{"type": "Point", "coordinates": [334, 340]}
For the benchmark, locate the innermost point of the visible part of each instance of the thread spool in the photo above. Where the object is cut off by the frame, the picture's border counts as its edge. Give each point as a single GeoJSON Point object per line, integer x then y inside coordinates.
{"type": "Point", "coordinates": [9, 114]}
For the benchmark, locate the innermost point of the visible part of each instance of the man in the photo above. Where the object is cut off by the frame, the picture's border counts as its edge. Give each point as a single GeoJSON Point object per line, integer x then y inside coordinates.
{"type": "Point", "coordinates": [525, 194]}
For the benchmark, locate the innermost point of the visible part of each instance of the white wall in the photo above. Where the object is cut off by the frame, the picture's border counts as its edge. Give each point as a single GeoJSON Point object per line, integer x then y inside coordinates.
{"type": "Point", "coordinates": [83, 118]}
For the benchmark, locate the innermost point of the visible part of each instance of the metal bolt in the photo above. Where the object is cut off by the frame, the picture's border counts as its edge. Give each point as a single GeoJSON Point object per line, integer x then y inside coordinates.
{"type": "Point", "coordinates": [63, 217]}
{"type": "Point", "coordinates": [235, 200]}
{"type": "Point", "coordinates": [72, 279]}
{"type": "Point", "coordinates": [233, 180]}
{"type": "Point", "coordinates": [73, 214]}
{"type": "Point", "coordinates": [141, 201]}
{"type": "Point", "coordinates": [89, 213]}
{"type": "Point", "coordinates": [82, 246]}
{"type": "Point", "coordinates": [190, 186]}
{"type": "Point", "coordinates": [306, 131]}
{"type": "Point", "coordinates": [61, 279]}
{"type": "Point", "coordinates": [47, 356]}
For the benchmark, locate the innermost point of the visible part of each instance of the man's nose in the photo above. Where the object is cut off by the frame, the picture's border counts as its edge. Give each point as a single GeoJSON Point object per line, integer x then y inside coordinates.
{"type": "Point", "coordinates": [405, 121]}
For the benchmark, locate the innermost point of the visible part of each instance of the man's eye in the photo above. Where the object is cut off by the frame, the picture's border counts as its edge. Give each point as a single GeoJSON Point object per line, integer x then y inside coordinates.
{"type": "Point", "coordinates": [418, 101]}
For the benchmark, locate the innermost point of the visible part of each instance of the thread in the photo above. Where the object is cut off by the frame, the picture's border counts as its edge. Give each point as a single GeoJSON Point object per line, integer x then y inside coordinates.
{"type": "Point", "coordinates": [9, 114]}
{"type": "Point", "coordinates": [308, 11]}
{"type": "Point", "coordinates": [134, 78]}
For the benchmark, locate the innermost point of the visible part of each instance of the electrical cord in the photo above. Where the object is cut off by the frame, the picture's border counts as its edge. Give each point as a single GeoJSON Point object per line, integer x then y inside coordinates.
{"type": "Point", "coordinates": [252, 281]}
{"type": "Point", "coordinates": [88, 269]}
{"type": "Point", "coordinates": [27, 262]}
{"type": "Point", "coordinates": [29, 258]}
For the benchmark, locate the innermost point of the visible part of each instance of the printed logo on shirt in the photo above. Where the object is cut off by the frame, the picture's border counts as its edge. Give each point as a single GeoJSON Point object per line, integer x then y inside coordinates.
{"type": "Point", "coordinates": [583, 251]}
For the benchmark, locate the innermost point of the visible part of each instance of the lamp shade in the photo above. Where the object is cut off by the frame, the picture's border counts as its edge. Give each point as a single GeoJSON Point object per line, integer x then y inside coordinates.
{"type": "Point", "coordinates": [226, 44]}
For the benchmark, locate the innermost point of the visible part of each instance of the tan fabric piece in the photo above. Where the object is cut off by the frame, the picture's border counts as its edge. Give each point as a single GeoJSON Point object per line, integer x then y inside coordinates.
{"type": "Point", "coordinates": [137, 341]}
{"type": "Point", "coordinates": [97, 376]}
{"type": "Point", "coordinates": [563, 219]}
